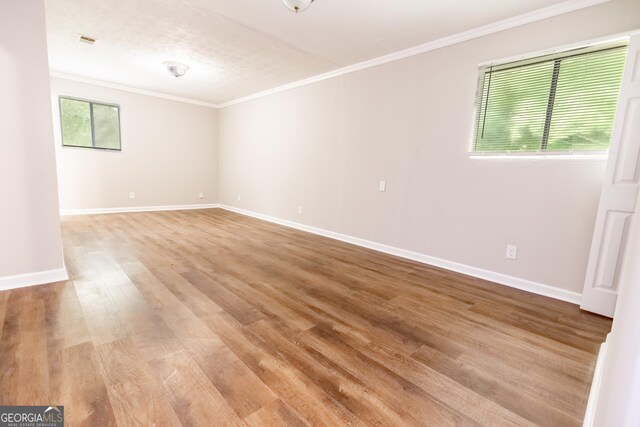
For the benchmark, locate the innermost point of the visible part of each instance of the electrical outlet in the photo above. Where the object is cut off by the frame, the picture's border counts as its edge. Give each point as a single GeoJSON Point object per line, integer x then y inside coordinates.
{"type": "Point", "coordinates": [382, 186]}
{"type": "Point", "coordinates": [132, 195]}
{"type": "Point", "coordinates": [239, 197]}
{"type": "Point", "coordinates": [512, 252]}
{"type": "Point", "coordinates": [201, 195]}
{"type": "Point", "coordinates": [300, 210]}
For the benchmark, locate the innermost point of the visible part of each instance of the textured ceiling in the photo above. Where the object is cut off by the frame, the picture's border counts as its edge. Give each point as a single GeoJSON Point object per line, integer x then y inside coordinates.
{"type": "Point", "coordinates": [239, 47]}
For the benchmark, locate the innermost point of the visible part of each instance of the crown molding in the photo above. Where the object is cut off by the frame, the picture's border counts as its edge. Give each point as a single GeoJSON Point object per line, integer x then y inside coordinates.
{"type": "Point", "coordinates": [101, 83]}
{"type": "Point", "coordinates": [495, 27]}
{"type": "Point", "coordinates": [505, 24]}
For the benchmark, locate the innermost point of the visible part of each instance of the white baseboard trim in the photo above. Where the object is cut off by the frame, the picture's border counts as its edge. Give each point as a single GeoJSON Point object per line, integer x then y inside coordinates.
{"type": "Point", "coordinates": [503, 279]}
{"type": "Point", "coordinates": [68, 212]}
{"type": "Point", "coordinates": [590, 413]}
{"type": "Point", "coordinates": [32, 279]}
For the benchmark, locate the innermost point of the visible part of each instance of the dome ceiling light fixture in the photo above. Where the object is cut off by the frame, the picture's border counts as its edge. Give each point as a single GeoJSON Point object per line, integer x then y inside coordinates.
{"type": "Point", "coordinates": [176, 69]}
{"type": "Point", "coordinates": [297, 5]}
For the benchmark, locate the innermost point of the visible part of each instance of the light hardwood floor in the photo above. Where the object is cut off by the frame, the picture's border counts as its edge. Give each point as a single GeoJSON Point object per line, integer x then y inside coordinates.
{"type": "Point", "coordinates": [211, 318]}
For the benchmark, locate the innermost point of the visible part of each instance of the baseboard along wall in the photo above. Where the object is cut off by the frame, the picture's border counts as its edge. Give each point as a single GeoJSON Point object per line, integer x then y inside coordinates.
{"type": "Point", "coordinates": [503, 279]}
{"type": "Point", "coordinates": [60, 275]}
{"type": "Point", "coordinates": [492, 276]}
{"type": "Point", "coordinates": [32, 279]}
{"type": "Point", "coordinates": [96, 211]}
{"type": "Point", "coordinates": [590, 413]}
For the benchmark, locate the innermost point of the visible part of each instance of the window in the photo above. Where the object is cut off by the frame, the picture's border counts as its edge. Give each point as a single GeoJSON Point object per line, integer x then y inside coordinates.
{"type": "Point", "coordinates": [89, 124]}
{"type": "Point", "coordinates": [564, 102]}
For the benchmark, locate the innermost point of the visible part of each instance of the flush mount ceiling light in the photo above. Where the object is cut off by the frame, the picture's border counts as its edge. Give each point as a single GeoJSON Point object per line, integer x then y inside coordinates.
{"type": "Point", "coordinates": [297, 5]}
{"type": "Point", "coordinates": [176, 69]}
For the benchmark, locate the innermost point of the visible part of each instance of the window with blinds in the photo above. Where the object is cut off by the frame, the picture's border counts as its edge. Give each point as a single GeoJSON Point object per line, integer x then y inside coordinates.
{"type": "Point", "coordinates": [564, 102]}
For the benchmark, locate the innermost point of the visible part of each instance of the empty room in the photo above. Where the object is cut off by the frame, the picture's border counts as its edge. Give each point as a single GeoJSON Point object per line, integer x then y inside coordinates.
{"type": "Point", "coordinates": [320, 213]}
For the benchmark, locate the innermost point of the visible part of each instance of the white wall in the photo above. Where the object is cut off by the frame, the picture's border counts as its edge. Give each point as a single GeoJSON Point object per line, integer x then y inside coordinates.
{"type": "Point", "coordinates": [169, 153]}
{"type": "Point", "coordinates": [325, 146]}
{"type": "Point", "coordinates": [30, 241]}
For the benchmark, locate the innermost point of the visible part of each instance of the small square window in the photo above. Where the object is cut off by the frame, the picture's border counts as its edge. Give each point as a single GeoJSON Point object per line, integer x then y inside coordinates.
{"type": "Point", "coordinates": [89, 124]}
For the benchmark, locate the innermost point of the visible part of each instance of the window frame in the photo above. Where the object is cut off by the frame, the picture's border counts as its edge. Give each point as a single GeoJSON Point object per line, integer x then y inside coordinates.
{"type": "Point", "coordinates": [555, 55]}
{"type": "Point", "coordinates": [93, 141]}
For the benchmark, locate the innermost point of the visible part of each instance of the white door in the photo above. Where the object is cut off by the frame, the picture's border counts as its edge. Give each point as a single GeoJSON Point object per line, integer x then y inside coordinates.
{"type": "Point", "coordinates": [619, 194]}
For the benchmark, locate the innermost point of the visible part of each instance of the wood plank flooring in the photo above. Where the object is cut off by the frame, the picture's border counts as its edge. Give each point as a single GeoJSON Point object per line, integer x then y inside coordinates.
{"type": "Point", "coordinates": [211, 318]}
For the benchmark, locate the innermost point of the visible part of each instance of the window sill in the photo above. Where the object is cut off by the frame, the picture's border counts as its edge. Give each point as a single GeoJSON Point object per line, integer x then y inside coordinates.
{"type": "Point", "coordinates": [552, 155]}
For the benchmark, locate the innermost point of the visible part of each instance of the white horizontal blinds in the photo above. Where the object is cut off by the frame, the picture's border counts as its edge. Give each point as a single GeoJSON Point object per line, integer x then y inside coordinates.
{"type": "Point", "coordinates": [563, 102]}
{"type": "Point", "coordinates": [514, 107]}
{"type": "Point", "coordinates": [586, 100]}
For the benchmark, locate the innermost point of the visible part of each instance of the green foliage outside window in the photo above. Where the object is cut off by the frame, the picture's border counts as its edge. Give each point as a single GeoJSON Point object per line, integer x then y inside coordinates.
{"type": "Point", "coordinates": [89, 124]}
{"type": "Point", "coordinates": [561, 103]}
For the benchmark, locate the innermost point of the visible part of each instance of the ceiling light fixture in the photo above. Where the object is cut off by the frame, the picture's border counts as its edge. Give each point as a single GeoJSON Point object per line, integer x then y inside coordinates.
{"type": "Point", "coordinates": [297, 5]}
{"type": "Point", "coordinates": [176, 69]}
